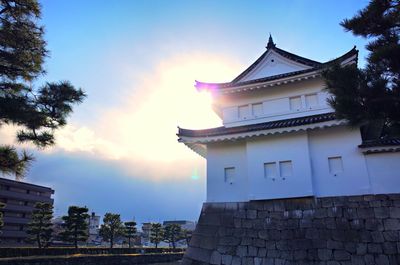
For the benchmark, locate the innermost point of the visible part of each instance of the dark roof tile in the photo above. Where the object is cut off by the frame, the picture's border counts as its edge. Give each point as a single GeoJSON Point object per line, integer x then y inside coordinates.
{"type": "Point", "coordinates": [258, 127]}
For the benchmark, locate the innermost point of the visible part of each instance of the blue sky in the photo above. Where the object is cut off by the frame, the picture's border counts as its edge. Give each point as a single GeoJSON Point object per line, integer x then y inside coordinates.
{"type": "Point", "coordinates": [137, 61]}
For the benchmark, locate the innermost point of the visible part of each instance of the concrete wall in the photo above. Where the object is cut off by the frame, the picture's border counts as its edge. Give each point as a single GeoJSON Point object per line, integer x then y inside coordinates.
{"type": "Point", "coordinates": [219, 157]}
{"type": "Point", "coordinates": [356, 230]}
{"type": "Point", "coordinates": [278, 148]}
{"type": "Point", "coordinates": [384, 171]}
{"type": "Point", "coordinates": [276, 103]}
{"type": "Point", "coordinates": [338, 142]}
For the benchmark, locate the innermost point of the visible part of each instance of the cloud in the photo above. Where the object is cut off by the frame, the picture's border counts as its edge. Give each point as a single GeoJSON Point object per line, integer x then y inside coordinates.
{"type": "Point", "coordinates": [142, 130]}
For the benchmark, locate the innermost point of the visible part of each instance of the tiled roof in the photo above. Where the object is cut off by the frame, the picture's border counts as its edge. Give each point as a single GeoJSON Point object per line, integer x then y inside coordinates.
{"type": "Point", "coordinates": [380, 142]}
{"type": "Point", "coordinates": [257, 127]}
{"type": "Point", "coordinates": [314, 64]}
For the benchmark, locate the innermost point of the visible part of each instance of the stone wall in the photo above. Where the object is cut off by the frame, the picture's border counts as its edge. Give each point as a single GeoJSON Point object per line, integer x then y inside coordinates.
{"type": "Point", "coordinates": [358, 230]}
{"type": "Point", "coordinates": [167, 259]}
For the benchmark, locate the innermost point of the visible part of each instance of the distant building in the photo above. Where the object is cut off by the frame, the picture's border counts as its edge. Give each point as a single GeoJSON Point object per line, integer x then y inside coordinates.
{"type": "Point", "coordinates": [187, 225]}
{"type": "Point", "coordinates": [20, 199]}
{"type": "Point", "coordinates": [94, 228]}
{"type": "Point", "coordinates": [145, 236]}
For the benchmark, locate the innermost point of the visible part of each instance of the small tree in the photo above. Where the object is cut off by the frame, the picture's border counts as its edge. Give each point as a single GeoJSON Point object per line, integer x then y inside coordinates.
{"type": "Point", "coordinates": [111, 228]}
{"type": "Point", "coordinates": [40, 228]}
{"type": "Point", "coordinates": [130, 231]}
{"type": "Point", "coordinates": [75, 225]}
{"type": "Point", "coordinates": [187, 235]}
{"type": "Point", "coordinates": [172, 234]}
{"type": "Point", "coordinates": [156, 234]}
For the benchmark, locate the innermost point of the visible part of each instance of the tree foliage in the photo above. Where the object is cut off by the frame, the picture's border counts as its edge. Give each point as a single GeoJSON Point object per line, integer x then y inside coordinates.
{"type": "Point", "coordinates": [156, 233]}
{"type": "Point", "coordinates": [111, 228]}
{"type": "Point", "coordinates": [130, 231]}
{"type": "Point", "coordinates": [75, 225]}
{"type": "Point", "coordinates": [38, 112]}
{"type": "Point", "coordinates": [40, 228]}
{"type": "Point", "coordinates": [172, 234]}
{"type": "Point", "coordinates": [371, 96]}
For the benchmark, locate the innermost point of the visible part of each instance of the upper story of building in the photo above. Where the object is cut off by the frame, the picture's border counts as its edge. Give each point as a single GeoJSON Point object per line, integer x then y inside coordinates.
{"type": "Point", "coordinates": [18, 191]}
{"type": "Point", "coordinates": [279, 85]}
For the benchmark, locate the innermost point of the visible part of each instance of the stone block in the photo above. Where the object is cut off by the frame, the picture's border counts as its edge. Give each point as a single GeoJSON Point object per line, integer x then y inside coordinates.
{"type": "Point", "coordinates": [365, 236]}
{"type": "Point", "coordinates": [241, 251]}
{"type": "Point", "coordinates": [392, 236]}
{"type": "Point", "coordinates": [342, 223]}
{"type": "Point", "coordinates": [374, 224]}
{"type": "Point", "coordinates": [324, 254]}
{"type": "Point", "coordinates": [258, 242]}
{"type": "Point", "coordinates": [350, 213]}
{"type": "Point", "coordinates": [270, 245]}
{"type": "Point", "coordinates": [262, 252]}
{"type": "Point", "coordinates": [236, 261]}
{"type": "Point", "coordinates": [369, 259]}
{"type": "Point", "coordinates": [282, 245]}
{"type": "Point", "coordinates": [272, 253]}
{"type": "Point", "coordinates": [226, 259]}
{"type": "Point", "coordinates": [306, 223]}
{"type": "Point", "coordinates": [389, 248]}
{"type": "Point", "coordinates": [382, 260]}
{"type": "Point", "coordinates": [252, 251]}
{"type": "Point", "coordinates": [341, 255]}
{"type": "Point", "coordinates": [239, 232]}
{"type": "Point", "coordinates": [237, 222]}
{"type": "Point", "coordinates": [215, 258]}
{"type": "Point", "coordinates": [251, 214]}
{"type": "Point", "coordinates": [320, 213]}
{"type": "Point", "coordinates": [262, 214]}
{"type": "Point", "coordinates": [330, 223]}
{"type": "Point", "coordinates": [279, 206]}
{"type": "Point", "coordinates": [374, 248]}
{"type": "Point", "coordinates": [229, 241]}
{"type": "Point", "coordinates": [199, 254]}
{"type": "Point", "coordinates": [268, 261]}
{"type": "Point", "coordinates": [391, 224]}
{"type": "Point", "coordinates": [357, 224]}
{"type": "Point", "coordinates": [377, 237]}
{"type": "Point", "coordinates": [357, 260]}
{"type": "Point", "coordinates": [300, 254]}
{"type": "Point", "coordinates": [361, 248]}
{"type": "Point", "coordinates": [350, 247]}
{"type": "Point", "coordinates": [331, 244]}
{"type": "Point", "coordinates": [248, 261]}
{"type": "Point", "coordinates": [375, 204]}
{"type": "Point", "coordinates": [365, 213]}
{"type": "Point", "coordinates": [286, 234]}
{"type": "Point", "coordinates": [381, 212]}
{"type": "Point", "coordinates": [335, 212]}
{"type": "Point", "coordinates": [246, 241]}
{"type": "Point", "coordinates": [258, 261]}
{"type": "Point", "coordinates": [394, 212]}
{"type": "Point", "coordinates": [208, 242]}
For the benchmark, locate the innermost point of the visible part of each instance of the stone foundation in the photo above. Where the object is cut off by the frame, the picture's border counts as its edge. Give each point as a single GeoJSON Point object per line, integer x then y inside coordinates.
{"type": "Point", "coordinates": [325, 231]}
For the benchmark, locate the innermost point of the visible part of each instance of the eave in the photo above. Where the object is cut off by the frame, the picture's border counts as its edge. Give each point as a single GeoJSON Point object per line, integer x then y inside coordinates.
{"type": "Point", "coordinates": [380, 146]}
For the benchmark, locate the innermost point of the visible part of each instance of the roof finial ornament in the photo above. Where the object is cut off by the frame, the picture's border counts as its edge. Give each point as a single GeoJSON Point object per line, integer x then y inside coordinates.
{"type": "Point", "coordinates": [271, 43]}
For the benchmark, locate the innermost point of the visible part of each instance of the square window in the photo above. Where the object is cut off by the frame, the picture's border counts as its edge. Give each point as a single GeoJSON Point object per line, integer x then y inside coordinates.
{"type": "Point", "coordinates": [285, 168]}
{"type": "Point", "coordinates": [243, 112]}
{"type": "Point", "coordinates": [335, 165]}
{"type": "Point", "coordinates": [295, 103]}
{"type": "Point", "coordinates": [270, 170]}
{"type": "Point", "coordinates": [258, 109]}
{"type": "Point", "coordinates": [229, 174]}
{"type": "Point", "coordinates": [311, 101]}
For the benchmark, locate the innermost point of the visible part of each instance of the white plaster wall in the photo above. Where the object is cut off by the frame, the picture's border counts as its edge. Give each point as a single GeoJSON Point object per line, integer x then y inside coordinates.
{"type": "Point", "coordinates": [332, 142]}
{"type": "Point", "coordinates": [219, 157]}
{"type": "Point", "coordinates": [293, 147]}
{"type": "Point", "coordinates": [275, 102]}
{"type": "Point", "coordinates": [384, 171]}
{"type": "Point", "coordinates": [273, 64]}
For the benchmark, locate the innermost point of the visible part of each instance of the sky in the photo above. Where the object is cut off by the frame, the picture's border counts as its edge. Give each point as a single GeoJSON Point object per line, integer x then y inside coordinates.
{"type": "Point", "coordinates": [137, 61]}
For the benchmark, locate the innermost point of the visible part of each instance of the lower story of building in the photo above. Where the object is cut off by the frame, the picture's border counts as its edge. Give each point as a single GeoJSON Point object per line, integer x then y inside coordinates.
{"type": "Point", "coordinates": [323, 162]}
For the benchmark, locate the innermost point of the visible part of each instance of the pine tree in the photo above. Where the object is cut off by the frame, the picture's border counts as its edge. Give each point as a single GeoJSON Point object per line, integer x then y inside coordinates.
{"type": "Point", "coordinates": [38, 112]}
{"type": "Point", "coordinates": [130, 231]}
{"type": "Point", "coordinates": [40, 228]}
{"type": "Point", "coordinates": [370, 97]}
{"type": "Point", "coordinates": [111, 228]}
{"type": "Point", "coordinates": [172, 234]}
{"type": "Point", "coordinates": [156, 234]}
{"type": "Point", "coordinates": [75, 225]}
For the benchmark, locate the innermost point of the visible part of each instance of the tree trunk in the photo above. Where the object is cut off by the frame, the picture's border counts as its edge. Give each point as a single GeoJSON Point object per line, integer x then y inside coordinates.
{"type": "Point", "coordinates": [111, 241]}
{"type": "Point", "coordinates": [156, 245]}
{"type": "Point", "coordinates": [129, 242]}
